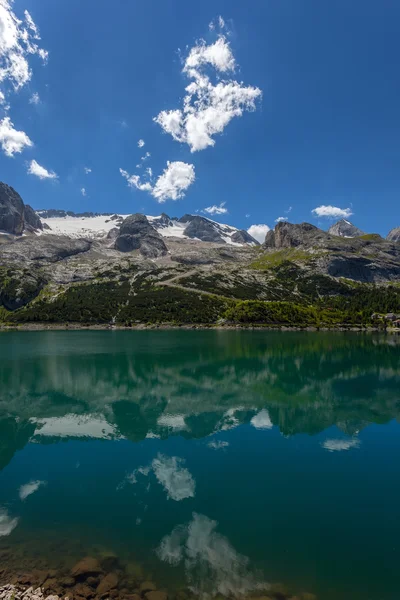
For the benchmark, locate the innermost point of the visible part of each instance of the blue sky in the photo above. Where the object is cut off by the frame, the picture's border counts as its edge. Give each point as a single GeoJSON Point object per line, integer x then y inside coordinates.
{"type": "Point", "coordinates": [317, 83]}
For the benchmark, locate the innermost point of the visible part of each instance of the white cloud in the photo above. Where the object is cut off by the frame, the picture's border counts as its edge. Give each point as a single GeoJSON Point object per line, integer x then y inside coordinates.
{"type": "Point", "coordinates": [170, 185]}
{"type": "Point", "coordinates": [7, 524]}
{"type": "Point", "coordinates": [280, 219]}
{"type": "Point", "coordinates": [30, 488]}
{"type": "Point", "coordinates": [34, 99]}
{"type": "Point", "coordinates": [262, 420]}
{"type": "Point", "coordinates": [212, 565]}
{"type": "Point", "coordinates": [12, 141]}
{"type": "Point", "coordinates": [208, 108]}
{"type": "Point", "coordinates": [332, 212]}
{"type": "Point", "coordinates": [134, 181]}
{"type": "Point", "coordinates": [216, 210]}
{"type": "Point", "coordinates": [218, 445]}
{"type": "Point", "coordinates": [248, 215]}
{"type": "Point", "coordinates": [141, 143]}
{"type": "Point", "coordinates": [87, 170]}
{"type": "Point", "coordinates": [289, 210]}
{"type": "Point", "coordinates": [258, 232]}
{"type": "Point", "coordinates": [41, 172]}
{"type": "Point", "coordinates": [83, 191]}
{"type": "Point", "coordinates": [18, 41]}
{"type": "Point", "coordinates": [175, 479]}
{"type": "Point", "coordinates": [339, 445]}
{"type": "Point", "coordinates": [175, 180]}
{"type": "Point", "coordinates": [145, 157]}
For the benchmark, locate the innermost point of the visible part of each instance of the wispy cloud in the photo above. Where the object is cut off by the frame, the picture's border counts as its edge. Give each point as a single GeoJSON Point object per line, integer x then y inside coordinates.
{"type": "Point", "coordinates": [34, 99]}
{"type": "Point", "coordinates": [216, 210]}
{"type": "Point", "coordinates": [170, 185]}
{"type": "Point", "coordinates": [83, 191]}
{"type": "Point", "coordinates": [141, 143]}
{"type": "Point", "coordinates": [280, 219]}
{"type": "Point", "coordinates": [30, 488]}
{"type": "Point", "coordinates": [87, 170]}
{"type": "Point", "coordinates": [332, 212]}
{"type": "Point", "coordinates": [39, 171]}
{"type": "Point", "coordinates": [208, 108]}
{"type": "Point", "coordinates": [18, 42]}
{"type": "Point", "coordinates": [12, 141]}
{"type": "Point", "coordinates": [339, 445]}
{"type": "Point", "coordinates": [258, 232]}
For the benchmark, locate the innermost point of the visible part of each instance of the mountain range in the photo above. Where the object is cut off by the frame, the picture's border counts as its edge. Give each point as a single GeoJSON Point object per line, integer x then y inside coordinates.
{"type": "Point", "coordinates": [58, 266]}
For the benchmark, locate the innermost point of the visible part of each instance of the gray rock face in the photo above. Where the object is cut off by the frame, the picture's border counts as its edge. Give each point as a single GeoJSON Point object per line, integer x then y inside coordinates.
{"type": "Point", "coordinates": [113, 233]}
{"type": "Point", "coordinates": [394, 235]}
{"type": "Point", "coordinates": [11, 210]}
{"type": "Point", "coordinates": [287, 235]}
{"type": "Point", "coordinates": [46, 249]}
{"type": "Point", "coordinates": [202, 229]}
{"type": "Point", "coordinates": [136, 233]}
{"type": "Point", "coordinates": [243, 237]}
{"type": "Point", "coordinates": [32, 219]}
{"type": "Point", "coordinates": [344, 228]}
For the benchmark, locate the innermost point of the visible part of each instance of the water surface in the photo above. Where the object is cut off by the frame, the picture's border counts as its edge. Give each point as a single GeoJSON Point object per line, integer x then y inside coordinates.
{"type": "Point", "coordinates": [215, 459]}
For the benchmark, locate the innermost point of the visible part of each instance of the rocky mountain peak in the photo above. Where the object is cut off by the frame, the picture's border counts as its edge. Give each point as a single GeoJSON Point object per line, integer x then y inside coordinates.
{"type": "Point", "coordinates": [394, 235]}
{"type": "Point", "coordinates": [15, 216]}
{"type": "Point", "coordinates": [344, 228]}
{"type": "Point", "coordinates": [136, 233]}
{"type": "Point", "coordinates": [289, 235]}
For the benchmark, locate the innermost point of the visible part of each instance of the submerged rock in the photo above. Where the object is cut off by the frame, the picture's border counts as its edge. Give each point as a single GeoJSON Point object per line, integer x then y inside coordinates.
{"type": "Point", "coordinates": [108, 583]}
{"type": "Point", "coordinates": [86, 566]}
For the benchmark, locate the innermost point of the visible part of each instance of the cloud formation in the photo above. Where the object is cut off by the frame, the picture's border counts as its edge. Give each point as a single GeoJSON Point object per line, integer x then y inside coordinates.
{"type": "Point", "coordinates": [87, 170]}
{"type": "Point", "coordinates": [18, 41]}
{"type": "Point", "coordinates": [280, 219]}
{"type": "Point", "coordinates": [39, 171]}
{"type": "Point", "coordinates": [216, 210]}
{"type": "Point", "coordinates": [339, 445]}
{"type": "Point", "coordinates": [208, 108]}
{"type": "Point", "coordinates": [332, 212]}
{"type": "Point", "coordinates": [175, 479]}
{"type": "Point", "coordinates": [7, 524]}
{"type": "Point", "coordinates": [258, 232]}
{"type": "Point", "coordinates": [12, 141]}
{"type": "Point", "coordinates": [83, 191]}
{"type": "Point", "coordinates": [170, 185]}
{"type": "Point", "coordinates": [141, 143]}
{"type": "Point", "coordinates": [212, 565]}
{"type": "Point", "coordinates": [30, 488]}
{"type": "Point", "coordinates": [34, 99]}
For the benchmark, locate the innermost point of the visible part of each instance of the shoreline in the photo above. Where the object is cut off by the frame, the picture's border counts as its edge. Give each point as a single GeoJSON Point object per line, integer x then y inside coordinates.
{"type": "Point", "coordinates": [190, 326]}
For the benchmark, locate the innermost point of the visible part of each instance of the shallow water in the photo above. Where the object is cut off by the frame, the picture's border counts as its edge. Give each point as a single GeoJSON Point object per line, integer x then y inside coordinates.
{"type": "Point", "coordinates": [215, 459]}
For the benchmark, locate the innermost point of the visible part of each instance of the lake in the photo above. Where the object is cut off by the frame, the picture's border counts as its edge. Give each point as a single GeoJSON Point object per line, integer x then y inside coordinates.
{"type": "Point", "coordinates": [210, 460]}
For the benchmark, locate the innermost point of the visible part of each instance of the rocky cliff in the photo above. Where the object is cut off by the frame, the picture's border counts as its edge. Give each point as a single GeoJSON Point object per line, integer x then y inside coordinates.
{"type": "Point", "coordinates": [394, 235]}
{"type": "Point", "coordinates": [136, 233]}
{"type": "Point", "coordinates": [346, 229]}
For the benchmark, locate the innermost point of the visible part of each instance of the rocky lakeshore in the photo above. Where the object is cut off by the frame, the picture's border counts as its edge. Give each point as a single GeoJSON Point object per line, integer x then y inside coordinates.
{"type": "Point", "coordinates": [106, 578]}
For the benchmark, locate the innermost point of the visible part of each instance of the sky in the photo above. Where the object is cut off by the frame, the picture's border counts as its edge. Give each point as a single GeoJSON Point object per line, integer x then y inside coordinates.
{"type": "Point", "coordinates": [248, 113]}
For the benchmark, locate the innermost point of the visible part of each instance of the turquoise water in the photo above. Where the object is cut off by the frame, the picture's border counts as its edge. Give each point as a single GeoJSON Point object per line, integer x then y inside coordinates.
{"type": "Point", "coordinates": [215, 459]}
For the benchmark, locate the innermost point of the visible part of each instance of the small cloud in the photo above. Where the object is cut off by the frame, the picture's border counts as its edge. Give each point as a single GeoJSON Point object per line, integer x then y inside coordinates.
{"type": "Point", "coordinates": [87, 170]}
{"type": "Point", "coordinates": [248, 215]}
{"type": "Point", "coordinates": [262, 420]}
{"type": "Point", "coordinates": [141, 143]}
{"type": "Point", "coordinates": [289, 210]}
{"type": "Point", "coordinates": [339, 445]}
{"type": "Point", "coordinates": [41, 172]}
{"type": "Point", "coordinates": [175, 479]}
{"type": "Point", "coordinates": [12, 141]}
{"type": "Point", "coordinates": [170, 185]}
{"type": "Point", "coordinates": [123, 124]}
{"type": "Point", "coordinates": [216, 210]}
{"type": "Point", "coordinates": [30, 488]}
{"type": "Point", "coordinates": [149, 172]}
{"type": "Point", "coordinates": [34, 99]}
{"type": "Point", "coordinates": [83, 191]}
{"type": "Point", "coordinates": [280, 219]}
{"type": "Point", "coordinates": [258, 232]}
{"type": "Point", "coordinates": [332, 212]}
{"type": "Point", "coordinates": [7, 523]}
{"type": "Point", "coordinates": [145, 157]}
{"type": "Point", "coordinates": [218, 445]}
